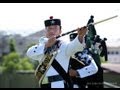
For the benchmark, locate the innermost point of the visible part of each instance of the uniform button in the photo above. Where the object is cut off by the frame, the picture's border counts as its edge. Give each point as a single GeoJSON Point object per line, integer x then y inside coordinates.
{"type": "Point", "coordinates": [35, 47]}
{"type": "Point", "coordinates": [34, 51]}
{"type": "Point", "coordinates": [85, 68]}
{"type": "Point", "coordinates": [88, 72]}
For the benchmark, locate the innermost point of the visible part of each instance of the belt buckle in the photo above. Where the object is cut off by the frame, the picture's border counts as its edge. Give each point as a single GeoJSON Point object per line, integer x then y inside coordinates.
{"type": "Point", "coordinates": [45, 80]}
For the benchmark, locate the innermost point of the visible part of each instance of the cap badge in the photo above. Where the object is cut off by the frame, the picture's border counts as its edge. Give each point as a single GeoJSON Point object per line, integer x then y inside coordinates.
{"type": "Point", "coordinates": [52, 22]}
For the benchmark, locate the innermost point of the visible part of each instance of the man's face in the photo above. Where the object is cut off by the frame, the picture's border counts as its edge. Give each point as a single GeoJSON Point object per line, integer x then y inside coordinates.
{"type": "Point", "coordinates": [53, 30]}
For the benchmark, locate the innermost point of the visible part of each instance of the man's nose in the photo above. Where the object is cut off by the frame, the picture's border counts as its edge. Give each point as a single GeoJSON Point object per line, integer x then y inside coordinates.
{"type": "Point", "coordinates": [52, 31]}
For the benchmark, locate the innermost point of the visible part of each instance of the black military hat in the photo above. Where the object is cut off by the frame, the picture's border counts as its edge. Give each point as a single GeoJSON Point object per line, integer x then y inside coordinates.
{"type": "Point", "coordinates": [52, 21]}
{"type": "Point", "coordinates": [72, 36]}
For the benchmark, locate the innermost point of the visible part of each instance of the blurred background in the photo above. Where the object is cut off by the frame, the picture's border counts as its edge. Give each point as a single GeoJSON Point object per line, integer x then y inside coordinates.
{"type": "Point", "coordinates": [22, 25]}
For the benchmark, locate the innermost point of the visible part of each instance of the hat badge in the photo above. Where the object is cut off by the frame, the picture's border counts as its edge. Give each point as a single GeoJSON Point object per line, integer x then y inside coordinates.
{"type": "Point", "coordinates": [52, 22]}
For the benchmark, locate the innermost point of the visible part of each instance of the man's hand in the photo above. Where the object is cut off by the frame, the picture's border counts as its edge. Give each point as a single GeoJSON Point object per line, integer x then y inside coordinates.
{"type": "Point", "coordinates": [81, 33]}
{"type": "Point", "coordinates": [73, 73]}
{"type": "Point", "coordinates": [50, 42]}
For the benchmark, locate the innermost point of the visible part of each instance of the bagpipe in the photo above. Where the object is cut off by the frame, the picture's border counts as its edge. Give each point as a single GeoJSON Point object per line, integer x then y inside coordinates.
{"type": "Point", "coordinates": [102, 47]}
{"type": "Point", "coordinates": [91, 39]}
{"type": "Point", "coordinates": [48, 57]}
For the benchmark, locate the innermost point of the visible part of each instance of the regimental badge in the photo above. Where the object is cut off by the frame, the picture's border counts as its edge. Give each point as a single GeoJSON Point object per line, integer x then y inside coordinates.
{"type": "Point", "coordinates": [52, 22]}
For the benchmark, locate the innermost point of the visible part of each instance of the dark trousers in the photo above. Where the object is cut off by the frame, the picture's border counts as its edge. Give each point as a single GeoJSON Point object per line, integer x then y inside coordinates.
{"type": "Point", "coordinates": [81, 82]}
{"type": "Point", "coordinates": [93, 81]}
{"type": "Point", "coordinates": [96, 80]}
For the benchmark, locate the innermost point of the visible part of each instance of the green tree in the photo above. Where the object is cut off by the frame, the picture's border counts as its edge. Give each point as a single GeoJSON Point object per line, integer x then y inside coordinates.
{"type": "Point", "coordinates": [12, 45]}
{"type": "Point", "coordinates": [26, 64]}
{"type": "Point", "coordinates": [13, 62]}
{"type": "Point", "coordinates": [10, 61]}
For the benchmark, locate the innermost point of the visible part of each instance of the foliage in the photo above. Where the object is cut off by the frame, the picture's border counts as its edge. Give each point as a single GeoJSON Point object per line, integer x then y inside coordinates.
{"type": "Point", "coordinates": [12, 45]}
{"type": "Point", "coordinates": [13, 62]}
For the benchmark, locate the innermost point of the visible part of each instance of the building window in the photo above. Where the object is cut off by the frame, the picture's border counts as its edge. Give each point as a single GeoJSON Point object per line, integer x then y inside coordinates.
{"type": "Point", "coordinates": [112, 52]}
{"type": "Point", "coordinates": [117, 52]}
